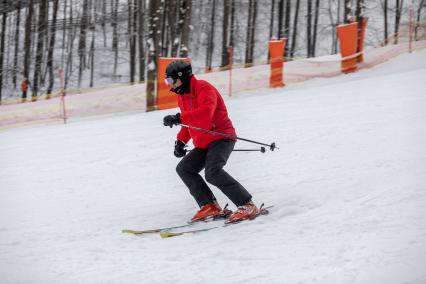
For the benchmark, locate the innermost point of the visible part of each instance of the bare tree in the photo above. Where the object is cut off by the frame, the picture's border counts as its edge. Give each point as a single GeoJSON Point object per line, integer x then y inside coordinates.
{"type": "Point", "coordinates": [70, 47]}
{"type": "Point", "coordinates": [103, 21]}
{"type": "Point", "coordinates": [27, 43]}
{"type": "Point", "coordinates": [52, 47]}
{"type": "Point", "coordinates": [334, 22]}
{"type": "Point", "coordinates": [2, 45]}
{"type": "Point", "coordinates": [132, 30]}
{"type": "Point", "coordinates": [225, 34]}
{"type": "Point", "coordinates": [309, 28]}
{"type": "Point", "coordinates": [173, 18]}
{"type": "Point", "coordinates": [92, 46]}
{"type": "Point", "coordinates": [153, 40]}
{"type": "Point", "coordinates": [360, 19]}
{"type": "Point", "coordinates": [141, 9]}
{"type": "Point", "coordinates": [41, 29]}
{"type": "Point", "coordinates": [385, 15]}
{"type": "Point", "coordinates": [115, 35]}
{"type": "Point", "coordinates": [64, 33]}
{"type": "Point", "coordinates": [295, 25]}
{"type": "Point", "coordinates": [17, 41]}
{"type": "Point", "coordinates": [287, 24]}
{"type": "Point", "coordinates": [398, 10]}
{"type": "Point", "coordinates": [186, 8]}
{"type": "Point", "coordinates": [419, 11]}
{"type": "Point", "coordinates": [271, 22]}
{"type": "Point", "coordinates": [210, 43]}
{"type": "Point", "coordinates": [280, 19]}
{"type": "Point", "coordinates": [82, 41]}
{"type": "Point", "coordinates": [164, 28]}
{"type": "Point", "coordinates": [315, 32]}
{"type": "Point", "coordinates": [347, 11]}
{"type": "Point", "coordinates": [232, 29]}
{"type": "Point", "coordinates": [251, 27]}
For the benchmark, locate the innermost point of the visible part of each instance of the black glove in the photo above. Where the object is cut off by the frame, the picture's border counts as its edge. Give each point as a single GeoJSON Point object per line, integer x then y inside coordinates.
{"type": "Point", "coordinates": [180, 150]}
{"type": "Point", "coordinates": [170, 120]}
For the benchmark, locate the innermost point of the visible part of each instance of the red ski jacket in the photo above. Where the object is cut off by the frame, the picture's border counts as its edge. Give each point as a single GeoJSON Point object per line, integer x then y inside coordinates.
{"type": "Point", "coordinates": [204, 108]}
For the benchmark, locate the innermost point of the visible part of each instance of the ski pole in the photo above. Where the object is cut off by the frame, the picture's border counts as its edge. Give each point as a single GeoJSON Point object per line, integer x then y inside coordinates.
{"type": "Point", "coordinates": [271, 146]}
{"type": "Point", "coordinates": [262, 149]}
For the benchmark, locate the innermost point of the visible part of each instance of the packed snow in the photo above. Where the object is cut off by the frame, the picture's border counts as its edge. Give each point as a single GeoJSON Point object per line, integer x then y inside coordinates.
{"type": "Point", "coordinates": [348, 186]}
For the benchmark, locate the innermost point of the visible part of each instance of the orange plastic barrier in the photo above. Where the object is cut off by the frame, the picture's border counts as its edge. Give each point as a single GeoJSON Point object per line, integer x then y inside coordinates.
{"type": "Point", "coordinates": [276, 50]}
{"type": "Point", "coordinates": [165, 98]}
{"type": "Point", "coordinates": [348, 42]}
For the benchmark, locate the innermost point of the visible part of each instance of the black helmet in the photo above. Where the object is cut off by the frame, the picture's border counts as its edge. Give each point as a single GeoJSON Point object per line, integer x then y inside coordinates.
{"type": "Point", "coordinates": [179, 70]}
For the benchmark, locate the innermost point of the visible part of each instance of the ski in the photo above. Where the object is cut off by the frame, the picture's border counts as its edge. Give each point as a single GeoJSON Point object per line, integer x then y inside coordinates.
{"type": "Point", "coordinates": [188, 224]}
{"type": "Point", "coordinates": [166, 234]}
{"type": "Point", "coordinates": [157, 230]}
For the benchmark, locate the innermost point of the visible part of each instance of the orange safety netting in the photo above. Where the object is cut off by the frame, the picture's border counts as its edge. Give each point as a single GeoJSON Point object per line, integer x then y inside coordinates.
{"type": "Point", "coordinates": [128, 98]}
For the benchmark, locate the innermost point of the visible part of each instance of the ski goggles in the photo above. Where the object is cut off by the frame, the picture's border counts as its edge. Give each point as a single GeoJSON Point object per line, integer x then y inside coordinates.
{"type": "Point", "coordinates": [169, 81]}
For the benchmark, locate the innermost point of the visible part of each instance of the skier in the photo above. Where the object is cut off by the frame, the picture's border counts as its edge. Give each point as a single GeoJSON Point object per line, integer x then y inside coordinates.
{"type": "Point", "coordinates": [25, 83]}
{"type": "Point", "coordinates": [202, 106]}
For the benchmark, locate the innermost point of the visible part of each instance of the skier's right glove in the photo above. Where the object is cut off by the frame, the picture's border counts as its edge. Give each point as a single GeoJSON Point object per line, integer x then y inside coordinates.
{"type": "Point", "coordinates": [180, 150]}
{"type": "Point", "coordinates": [170, 120]}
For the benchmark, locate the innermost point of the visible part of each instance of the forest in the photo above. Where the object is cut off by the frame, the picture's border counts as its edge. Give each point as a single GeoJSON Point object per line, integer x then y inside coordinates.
{"type": "Point", "coordinates": [103, 42]}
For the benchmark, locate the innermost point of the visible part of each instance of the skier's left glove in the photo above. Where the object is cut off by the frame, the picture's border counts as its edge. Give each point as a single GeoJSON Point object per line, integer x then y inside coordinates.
{"type": "Point", "coordinates": [170, 120]}
{"type": "Point", "coordinates": [180, 150]}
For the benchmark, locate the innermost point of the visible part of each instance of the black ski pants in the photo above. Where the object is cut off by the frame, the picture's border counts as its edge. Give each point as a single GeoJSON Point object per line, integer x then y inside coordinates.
{"type": "Point", "coordinates": [213, 159]}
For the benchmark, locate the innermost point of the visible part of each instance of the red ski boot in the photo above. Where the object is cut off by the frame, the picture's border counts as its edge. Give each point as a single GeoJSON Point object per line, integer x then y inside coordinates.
{"type": "Point", "coordinates": [248, 211]}
{"type": "Point", "coordinates": [211, 211]}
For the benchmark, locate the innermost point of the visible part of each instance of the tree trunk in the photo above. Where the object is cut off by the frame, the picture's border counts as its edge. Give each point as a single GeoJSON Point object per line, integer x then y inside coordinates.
{"type": "Point", "coordinates": [41, 28]}
{"type": "Point", "coordinates": [334, 23]}
{"type": "Point", "coordinates": [82, 41]}
{"type": "Point", "coordinates": [132, 30]}
{"type": "Point", "coordinates": [64, 25]}
{"type": "Point", "coordinates": [186, 18]}
{"type": "Point", "coordinates": [225, 34]}
{"type": "Point", "coordinates": [52, 47]}
{"type": "Point", "coordinates": [251, 26]}
{"type": "Point", "coordinates": [27, 44]}
{"type": "Point", "coordinates": [210, 44]}
{"type": "Point", "coordinates": [174, 27]}
{"type": "Point", "coordinates": [280, 19]}
{"type": "Point", "coordinates": [347, 11]}
{"type": "Point", "coordinates": [385, 14]}
{"type": "Point", "coordinates": [293, 40]}
{"type": "Point", "coordinates": [232, 30]}
{"type": "Point", "coordinates": [141, 40]}
{"type": "Point", "coordinates": [153, 46]}
{"type": "Point", "coordinates": [15, 58]}
{"type": "Point", "coordinates": [164, 29]}
{"type": "Point", "coordinates": [92, 48]}
{"type": "Point", "coordinates": [115, 36]}
{"type": "Point", "coordinates": [309, 29]}
{"type": "Point", "coordinates": [271, 22]}
{"type": "Point", "coordinates": [398, 10]}
{"type": "Point", "coordinates": [314, 37]}
{"type": "Point", "coordinates": [2, 46]}
{"type": "Point", "coordinates": [419, 11]}
{"type": "Point", "coordinates": [360, 19]}
{"type": "Point", "coordinates": [103, 23]}
{"type": "Point", "coordinates": [287, 25]}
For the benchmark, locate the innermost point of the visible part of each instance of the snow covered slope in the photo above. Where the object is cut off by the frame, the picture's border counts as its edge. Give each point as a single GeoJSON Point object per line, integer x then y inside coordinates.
{"type": "Point", "coordinates": [348, 185]}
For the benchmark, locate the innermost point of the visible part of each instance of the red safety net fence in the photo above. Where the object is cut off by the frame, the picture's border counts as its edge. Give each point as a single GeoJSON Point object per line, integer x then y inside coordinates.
{"type": "Point", "coordinates": [117, 99]}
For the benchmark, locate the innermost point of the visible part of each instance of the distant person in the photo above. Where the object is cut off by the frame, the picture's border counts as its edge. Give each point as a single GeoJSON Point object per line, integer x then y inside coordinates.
{"type": "Point", "coordinates": [25, 83]}
{"type": "Point", "coordinates": [202, 106]}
